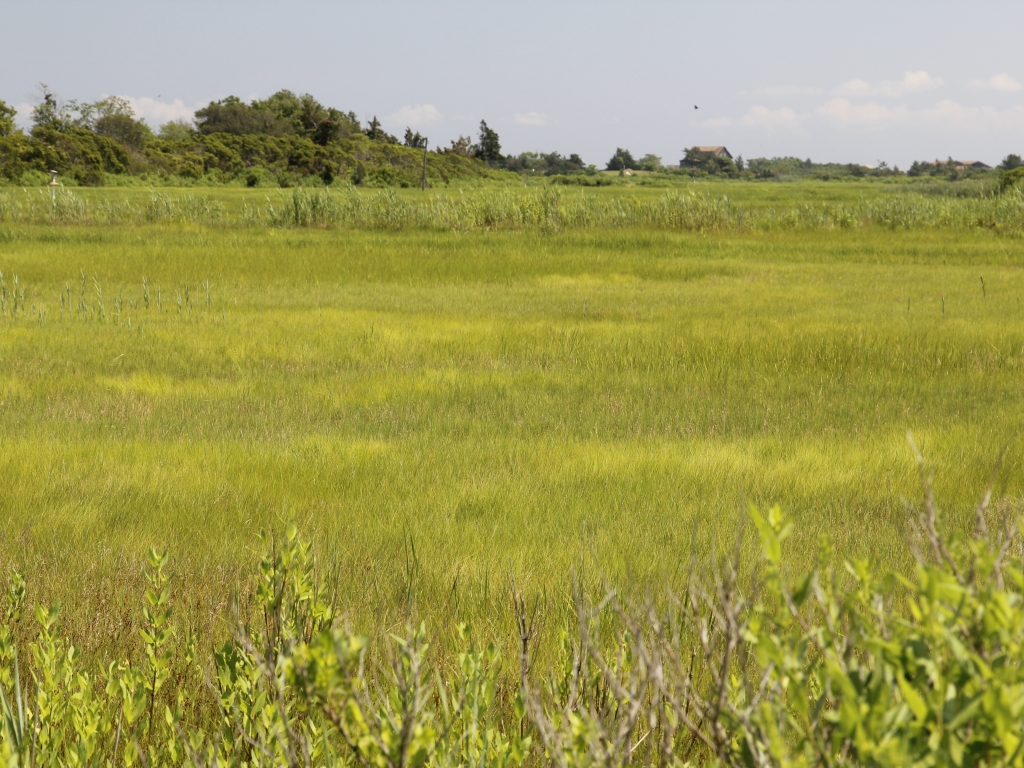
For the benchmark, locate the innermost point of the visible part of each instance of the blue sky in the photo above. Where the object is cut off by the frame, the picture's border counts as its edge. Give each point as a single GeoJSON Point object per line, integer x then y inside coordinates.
{"type": "Point", "coordinates": [847, 82]}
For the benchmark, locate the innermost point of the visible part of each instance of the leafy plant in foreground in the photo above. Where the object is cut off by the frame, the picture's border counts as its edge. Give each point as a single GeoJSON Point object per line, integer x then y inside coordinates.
{"type": "Point", "coordinates": [838, 666]}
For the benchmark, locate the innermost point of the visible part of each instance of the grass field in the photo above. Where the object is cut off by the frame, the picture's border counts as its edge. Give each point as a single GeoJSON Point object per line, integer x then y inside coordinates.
{"type": "Point", "coordinates": [469, 406]}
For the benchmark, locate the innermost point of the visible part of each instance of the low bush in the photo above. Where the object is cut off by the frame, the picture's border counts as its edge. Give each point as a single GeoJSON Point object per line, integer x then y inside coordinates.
{"type": "Point", "coordinates": [581, 180]}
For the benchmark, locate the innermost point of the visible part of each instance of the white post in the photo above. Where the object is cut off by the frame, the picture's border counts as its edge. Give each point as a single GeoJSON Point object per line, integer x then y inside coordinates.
{"type": "Point", "coordinates": [53, 186]}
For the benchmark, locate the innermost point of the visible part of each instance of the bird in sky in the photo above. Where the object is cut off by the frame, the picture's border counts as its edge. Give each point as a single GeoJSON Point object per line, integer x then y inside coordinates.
{"type": "Point", "coordinates": [695, 106]}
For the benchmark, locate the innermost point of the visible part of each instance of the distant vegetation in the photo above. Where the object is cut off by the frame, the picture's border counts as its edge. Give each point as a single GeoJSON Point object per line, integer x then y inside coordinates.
{"type": "Point", "coordinates": [284, 140]}
{"type": "Point", "coordinates": [291, 140]}
{"type": "Point", "coordinates": [704, 164]}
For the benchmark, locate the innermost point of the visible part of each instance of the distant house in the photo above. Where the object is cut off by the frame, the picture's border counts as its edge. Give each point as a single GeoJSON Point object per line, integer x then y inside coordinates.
{"type": "Point", "coordinates": [972, 165]}
{"type": "Point", "coordinates": [697, 157]}
{"type": "Point", "coordinates": [716, 151]}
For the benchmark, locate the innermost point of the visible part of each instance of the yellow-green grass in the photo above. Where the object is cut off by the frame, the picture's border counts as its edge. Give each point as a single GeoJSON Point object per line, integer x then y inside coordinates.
{"type": "Point", "coordinates": [502, 404]}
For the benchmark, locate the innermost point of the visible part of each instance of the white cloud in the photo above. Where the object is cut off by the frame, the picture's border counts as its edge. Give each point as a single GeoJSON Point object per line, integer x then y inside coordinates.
{"type": "Point", "coordinates": [760, 117]}
{"type": "Point", "coordinates": [783, 90]}
{"type": "Point", "coordinates": [855, 88]}
{"type": "Point", "coordinates": [912, 82]}
{"type": "Point", "coordinates": [531, 118]}
{"type": "Point", "coordinates": [956, 115]}
{"type": "Point", "coordinates": [946, 113]}
{"type": "Point", "coordinates": [415, 116]}
{"type": "Point", "coordinates": [845, 111]}
{"type": "Point", "coordinates": [1000, 82]}
{"type": "Point", "coordinates": [156, 113]}
{"type": "Point", "coordinates": [23, 118]}
{"type": "Point", "coordinates": [917, 81]}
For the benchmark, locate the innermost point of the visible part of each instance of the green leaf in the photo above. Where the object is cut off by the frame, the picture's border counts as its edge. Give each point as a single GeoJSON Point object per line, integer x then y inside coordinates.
{"type": "Point", "coordinates": [803, 589]}
{"type": "Point", "coordinates": [520, 707]}
{"type": "Point", "coordinates": [965, 714]}
{"type": "Point", "coordinates": [956, 750]}
{"type": "Point", "coordinates": [914, 699]}
{"type": "Point", "coordinates": [771, 545]}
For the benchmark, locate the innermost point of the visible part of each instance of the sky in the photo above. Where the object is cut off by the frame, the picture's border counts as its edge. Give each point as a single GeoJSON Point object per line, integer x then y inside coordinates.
{"type": "Point", "coordinates": [862, 81]}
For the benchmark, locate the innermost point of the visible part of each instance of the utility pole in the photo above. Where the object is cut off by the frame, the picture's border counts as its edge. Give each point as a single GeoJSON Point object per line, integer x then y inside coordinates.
{"type": "Point", "coordinates": [423, 180]}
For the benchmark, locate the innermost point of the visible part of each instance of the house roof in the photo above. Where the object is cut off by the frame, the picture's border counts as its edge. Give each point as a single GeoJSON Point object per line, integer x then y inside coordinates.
{"type": "Point", "coordinates": [713, 151]}
{"type": "Point", "coordinates": [972, 164]}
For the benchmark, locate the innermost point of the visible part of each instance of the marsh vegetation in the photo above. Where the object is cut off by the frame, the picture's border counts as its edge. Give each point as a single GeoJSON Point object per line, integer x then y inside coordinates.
{"type": "Point", "coordinates": [452, 395]}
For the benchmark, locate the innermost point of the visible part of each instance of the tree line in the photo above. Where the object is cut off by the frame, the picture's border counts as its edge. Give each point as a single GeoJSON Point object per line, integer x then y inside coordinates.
{"type": "Point", "coordinates": [283, 140]}
{"type": "Point", "coordinates": [292, 139]}
{"type": "Point", "coordinates": [700, 163]}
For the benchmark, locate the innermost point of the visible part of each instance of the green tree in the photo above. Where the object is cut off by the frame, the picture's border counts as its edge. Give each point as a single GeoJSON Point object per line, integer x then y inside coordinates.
{"type": "Point", "coordinates": [16, 154]}
{"type": "Point", "coordinates": [463, 147]}
{"type": "Point", "coordinates": [376, 133]}
{"type": "Point", "coordinates": [537, 163]}
{"type": "Point", "coordinates": [232, 115]}
{"type": "Point", "coordinates": [114, 117]}
{"type": "Point", "coordinates": [650, 162]}
{"type": "Point", "coordinates": [488, 146]}
{"type": "Point", "coordinates": [917, 168]}
{"type": "Point", "coordinates": [287, 106]}
{"type": "Point", "coordinates": [50, 113]}
{"type": "Point", "coordinates": [1009, 162]}
{"type": "Point", "coordinates": [309, 118]}
{"type": "Point", "coordinates": [622, 160]}
{"type": "Point", "coordinates": [7, 119]}
{"type": "Point", "coordinates": [414, 140]}
{"type": "Point", "coordinates": [177, 130]}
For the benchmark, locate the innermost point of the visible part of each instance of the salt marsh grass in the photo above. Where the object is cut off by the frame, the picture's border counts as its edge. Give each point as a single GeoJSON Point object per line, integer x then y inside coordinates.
{"type": "Point", "coordinates": [515, 395]}
{"type": "Point", "coordinates": [482, 404]}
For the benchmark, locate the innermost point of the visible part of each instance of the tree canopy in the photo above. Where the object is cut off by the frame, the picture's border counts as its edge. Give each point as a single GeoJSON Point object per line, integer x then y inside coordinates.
{"type": "Point", "coordinates": [414, 140]}
{"type": "Point", "coordinates": [284, 139]}
{"type": "Point", "coordinates": [232, 115]}
{"type": "Point", "coordinates": [1010, 162]}
{"type": "Point", "coordinates": [489, 146]}
{"type": "Point", "coordinates": [374, 132]}
{"type": "Point", "coordinates": [7, 119]}
{"type": "Point", "coordinates": [540, 164]}
{"type": "Point", "coordinates": [622, 160]}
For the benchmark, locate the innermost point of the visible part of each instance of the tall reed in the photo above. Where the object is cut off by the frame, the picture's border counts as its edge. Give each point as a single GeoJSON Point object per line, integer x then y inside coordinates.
{"type": "Point", "coordinates": [547, 208]}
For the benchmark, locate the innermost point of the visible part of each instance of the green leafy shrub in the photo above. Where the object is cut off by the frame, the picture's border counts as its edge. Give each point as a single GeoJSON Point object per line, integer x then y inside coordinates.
{"type": "Point", "coordinates": [1011, 179]}
{"type": "Point", "coordinates": [835, 666]}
